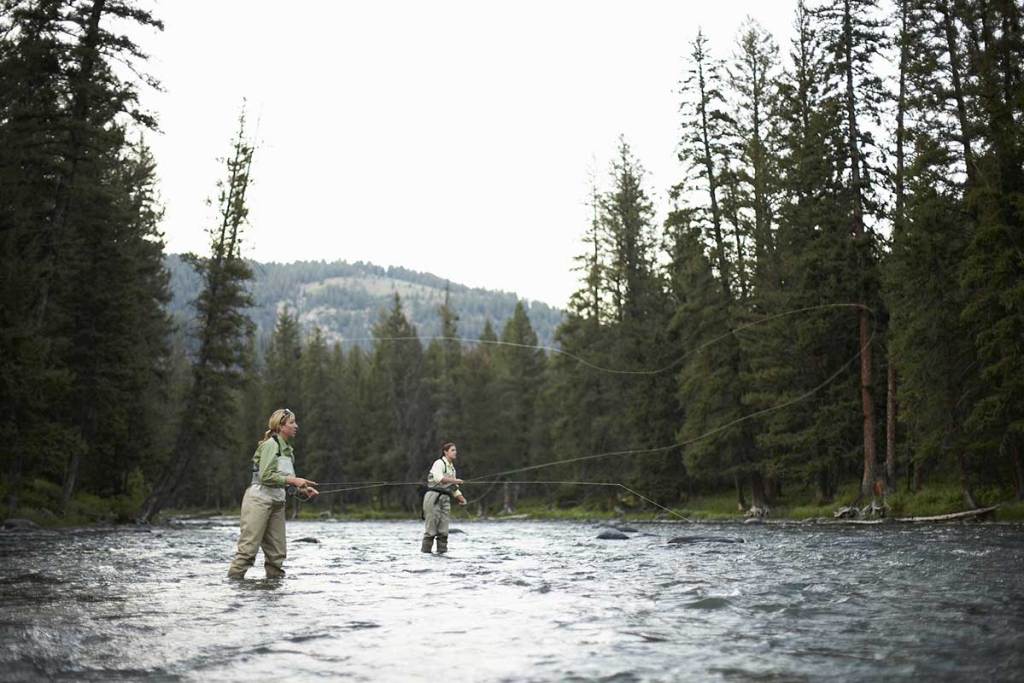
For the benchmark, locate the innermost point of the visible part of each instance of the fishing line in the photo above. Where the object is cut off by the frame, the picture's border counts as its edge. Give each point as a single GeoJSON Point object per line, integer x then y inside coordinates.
{"type": "Point", "coordinates": [506, 481]}
{"type": "Point", "coordinates": [660, 449]}
{"type": "Point", "coordinates": [493, 478]}
{"type": "Point", "coordinates": [589, 483]}
{"type": "Point", "coordinates": [615, 371]}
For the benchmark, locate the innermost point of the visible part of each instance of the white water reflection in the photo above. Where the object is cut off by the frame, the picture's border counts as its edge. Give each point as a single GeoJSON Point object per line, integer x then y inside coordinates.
{"type": "Point", "coordinates": [517, 601]}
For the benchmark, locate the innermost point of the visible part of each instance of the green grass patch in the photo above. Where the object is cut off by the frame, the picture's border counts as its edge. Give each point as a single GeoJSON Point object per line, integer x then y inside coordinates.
{"type": "Point", "coordinates": [1011, 512]}
{"type": "Point", "coordinates": [808, 511]}
{"type": "Point", "coordinates": [720, 506]}
{"type": "Point", "coordinates": [801, 504]}
{"type": "Point", "coordinates": [934, 500]}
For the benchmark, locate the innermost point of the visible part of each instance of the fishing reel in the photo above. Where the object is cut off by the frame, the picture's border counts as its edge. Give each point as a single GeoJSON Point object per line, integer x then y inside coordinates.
{"type": "Point", "coordinates": [294, 491]}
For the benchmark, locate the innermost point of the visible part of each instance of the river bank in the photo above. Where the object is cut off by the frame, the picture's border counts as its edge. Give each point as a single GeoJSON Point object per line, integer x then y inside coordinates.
{"type": "Point", "coordinates": [934, 501]}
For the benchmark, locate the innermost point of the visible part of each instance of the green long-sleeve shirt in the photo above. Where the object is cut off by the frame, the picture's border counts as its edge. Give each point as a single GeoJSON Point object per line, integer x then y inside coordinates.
{"type": "Point", "coordinates": [274, 463]}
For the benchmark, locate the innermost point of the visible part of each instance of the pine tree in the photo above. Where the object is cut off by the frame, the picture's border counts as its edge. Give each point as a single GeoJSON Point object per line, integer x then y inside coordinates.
{"type": "Point", "coordinates": [118, 329]}
{"type": "Point", "coordinates": [408, 439]}
{"type": "Point", "coordinates": [708, 386]}
{"type": "Point", "coordinates": [218, 371]}
{"type": "Point", "coordinates": [32, 64]}
{"type": "Point", "coordinates": [590, 301]}
{"type": "Point", "coordinates": [582, 419]}
{"type": "Point", "coordinates": [480, 414]}
{"type": "Point", "coordinates": [794, 352]}
{"type": "Point", "coordinates": [362, 419]}
{"type": "Point", "coordinates": [707, 157]}
{"type": "Point", "coordinates": [444, 358]}
{"type": "Point", "coordinates": [520, 378]}
{"type": "Point", "coordinates": [754, 133]}
{"type": "Point", "coordinates": [323, 423]}
{"type": "Point", "coordinates": [637, 336]}
{"type": "Point", "coordinates": [855, 37]}
{"type": "Point", "coordinates": [283, 377]}
{"type": "Point", "coordinates": [66, 191]}
{"type": "Point", "coordinates": [993, 271]}
{"type": "Point", "coordinates": [704, 152]}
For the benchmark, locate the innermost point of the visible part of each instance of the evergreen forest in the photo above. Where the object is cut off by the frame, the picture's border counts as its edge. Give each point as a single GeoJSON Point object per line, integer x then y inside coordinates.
{"type": "Point", "coordinates": [832, 314]}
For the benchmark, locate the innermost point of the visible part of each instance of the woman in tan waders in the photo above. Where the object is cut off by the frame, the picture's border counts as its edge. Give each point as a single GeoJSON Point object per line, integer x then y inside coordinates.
{"type": "Point", "coordinates": [262, 518]}
{"type": "Point", "coordinates": [437, 505]}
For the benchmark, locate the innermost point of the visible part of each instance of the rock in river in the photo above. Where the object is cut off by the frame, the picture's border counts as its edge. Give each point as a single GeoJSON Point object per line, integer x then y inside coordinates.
{"type": "Point", "coordinates": [612, 535]}
{"type": "Point", "coordinates": [705, 539]}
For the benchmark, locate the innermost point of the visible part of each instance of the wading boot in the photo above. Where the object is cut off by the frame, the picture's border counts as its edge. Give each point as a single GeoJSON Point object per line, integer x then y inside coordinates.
{"type": "Point", "coordinates": [442, 543]}
{"type": "Point", "coordinates": [428, 543]}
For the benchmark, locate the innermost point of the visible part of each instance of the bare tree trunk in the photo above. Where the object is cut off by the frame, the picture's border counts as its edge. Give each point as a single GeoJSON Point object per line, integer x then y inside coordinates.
{"type": "Point", "coordinates": [891, 406]}
{"type": "Point", "coordinates": [508, 504]}
{"type": "Point", "coordinates": [14, 481]}
{"type": "Point", "coordinates": [824, 487]}
{"type": "Point", "coordinates": [868, 408]}
{"type": "Point", "coordinates": [953, 50]}
{"type": "Point", "coordinates": [1018, 466]}
{"type": "Point", "coordinates": [741, 502]}
{"type": "Point", "coordinates": [89, 431]}
{"type": "Point", "coordinates": [901, 134]}
{"type": "Point", "coordinates": [70, 480]}
{"type": "Point", "coordinates": [965, 485]}
{"type": "Point", "coordinates": [853, 134]}
{"type": "Point", "coordinates": [175, 472]}
{"type": "Point", "coordinates": [759, 499]}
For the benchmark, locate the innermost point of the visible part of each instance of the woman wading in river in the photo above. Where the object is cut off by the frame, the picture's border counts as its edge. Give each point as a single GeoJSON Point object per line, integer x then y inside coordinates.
{"type": "Point", "coordinates": [442, 486]}
{"type": "Point", "coordinates": [262, 518]}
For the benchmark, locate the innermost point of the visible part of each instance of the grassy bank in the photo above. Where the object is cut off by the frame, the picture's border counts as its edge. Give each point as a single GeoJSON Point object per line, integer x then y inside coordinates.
{"type": "Point", "coordinates": [41, 499]}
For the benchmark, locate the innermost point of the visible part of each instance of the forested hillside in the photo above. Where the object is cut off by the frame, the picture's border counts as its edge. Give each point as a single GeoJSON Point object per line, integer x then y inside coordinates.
{"type": "Point", "coordinates": [345, 300]}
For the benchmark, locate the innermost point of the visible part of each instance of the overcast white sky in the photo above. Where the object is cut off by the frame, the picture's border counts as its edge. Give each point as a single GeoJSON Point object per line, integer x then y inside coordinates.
{"type": "Point", "coordinates": [449, 137]}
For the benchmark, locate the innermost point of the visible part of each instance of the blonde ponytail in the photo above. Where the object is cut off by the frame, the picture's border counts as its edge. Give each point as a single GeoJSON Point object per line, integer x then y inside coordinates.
{"type": "Point", "coordinates": [276, 421]}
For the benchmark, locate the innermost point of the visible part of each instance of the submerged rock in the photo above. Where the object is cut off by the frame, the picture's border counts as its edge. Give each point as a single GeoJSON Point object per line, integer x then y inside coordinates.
{"type": "Point", "coordinates": [679, 540]}
{"type": "Point", "coordinates": [17, 524]}
{"type": "Point", "coordinates": [306, 539]}
{"type": "Point", "coordinates": [626, 528]}
{"type": "Point", "coordinates": [612, 535]}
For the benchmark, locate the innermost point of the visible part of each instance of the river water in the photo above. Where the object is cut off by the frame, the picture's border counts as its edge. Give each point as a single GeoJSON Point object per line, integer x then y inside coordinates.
{"type": "Point", "coordinates": [517, 601]}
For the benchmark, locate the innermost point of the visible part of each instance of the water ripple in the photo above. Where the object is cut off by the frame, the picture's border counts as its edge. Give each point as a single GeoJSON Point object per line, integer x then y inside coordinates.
{"type": "Point", "coordinates": [518, 601]}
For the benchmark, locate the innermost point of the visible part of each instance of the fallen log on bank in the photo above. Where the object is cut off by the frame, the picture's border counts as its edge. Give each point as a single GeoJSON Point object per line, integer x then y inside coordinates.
{"type": "Point", "coordinates": [967, 514]}
{"type": "Point", "coordinates": [976, 513]}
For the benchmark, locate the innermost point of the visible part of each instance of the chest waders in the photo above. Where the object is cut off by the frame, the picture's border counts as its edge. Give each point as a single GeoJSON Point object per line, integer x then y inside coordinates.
{"type": "Point", "coordinates": [442, 492]}
{"type": "Point", "coordinates": [262, 518]}
{"type": "Point", "coordinates": [424, 490]}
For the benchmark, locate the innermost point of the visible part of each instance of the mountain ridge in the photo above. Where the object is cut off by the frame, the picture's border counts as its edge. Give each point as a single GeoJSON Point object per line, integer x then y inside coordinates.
{"type": "Point", "coordinates": [345, 299]}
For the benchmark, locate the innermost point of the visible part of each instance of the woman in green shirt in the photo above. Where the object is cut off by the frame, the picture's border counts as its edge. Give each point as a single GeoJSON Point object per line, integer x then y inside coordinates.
{"type": "Point", "coordinates": [262, 517]}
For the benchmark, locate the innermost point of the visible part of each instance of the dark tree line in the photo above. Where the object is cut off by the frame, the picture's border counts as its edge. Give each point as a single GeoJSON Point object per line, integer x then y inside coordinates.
{"type": "Point", "coordinates": [84, 332]}
{"type": "Point", "coordinates": [833, 305]}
